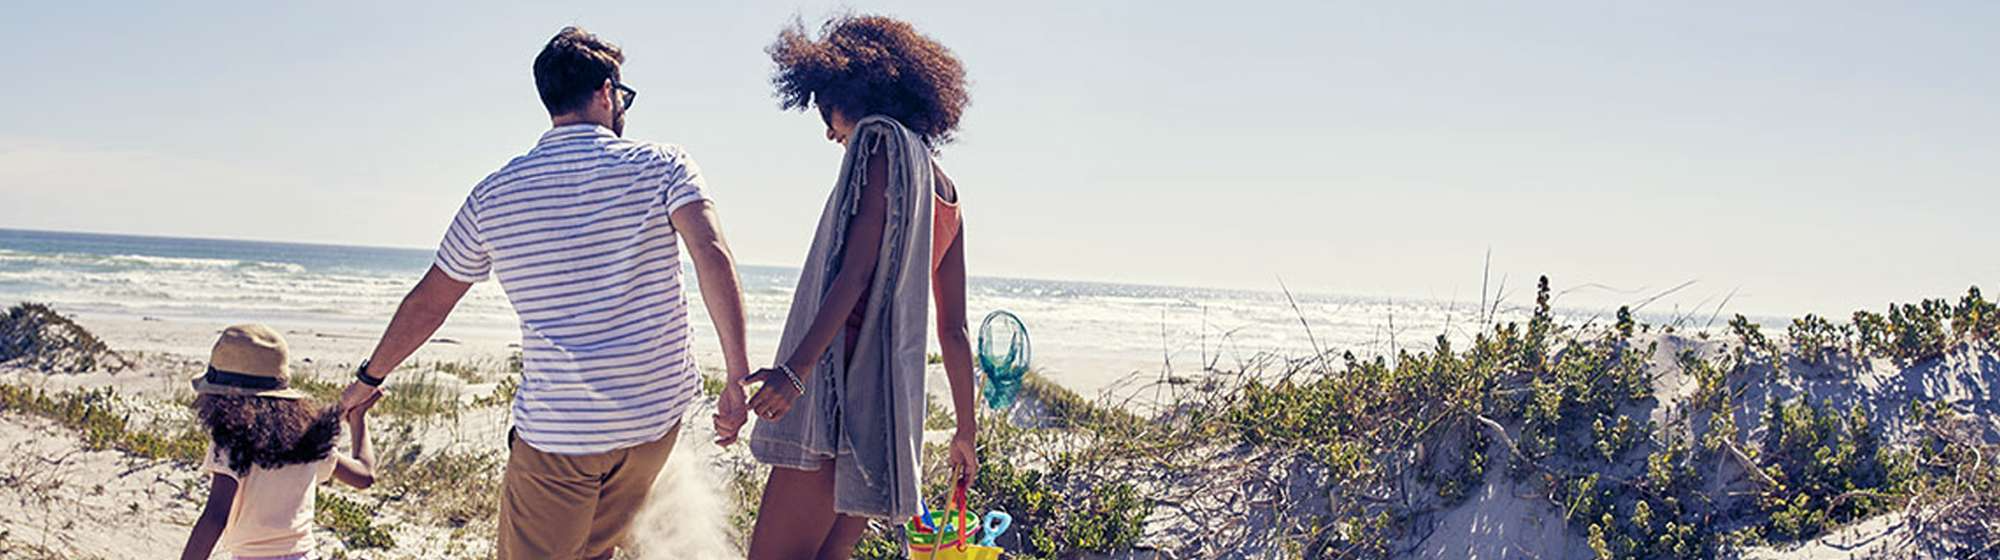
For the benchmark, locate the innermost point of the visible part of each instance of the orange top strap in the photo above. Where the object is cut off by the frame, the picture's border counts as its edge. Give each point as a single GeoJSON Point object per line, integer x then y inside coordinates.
{"type": "Point", "coordinates": [945, 220]}
{"type": "Point", "coordinates": [944, 229]}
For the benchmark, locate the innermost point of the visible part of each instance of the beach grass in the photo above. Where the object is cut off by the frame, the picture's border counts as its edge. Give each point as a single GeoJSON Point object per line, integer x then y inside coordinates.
{"type": "Point", "coordinates": [502, 395]}
{"type": "Point", "coordinates": [99, 416]}
{"type": "Point", "coordinates": [11, 547]}
{"type": "Point", "coordinates": [712, 385]}
{"type": "Point", "coordinates": [418, 395]}
{"type": "Point", "coordinates": [36, 336]}
{"type": "Point", "coordinates": [455, 485]}
{"type": "Point", "coordinates": [316, 387]}
{"type": "Point", "coordinates": [1342, 456]}
{"type": "Point", "coordinates": [350, 522]}
{"type": "Point", "coordinates": [1562, 408]}
{"type": "Point", "coordinates": [937, 417]}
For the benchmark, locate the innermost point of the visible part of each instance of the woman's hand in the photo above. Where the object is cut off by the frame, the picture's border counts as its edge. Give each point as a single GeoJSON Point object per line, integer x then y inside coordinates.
{"type": "Point", "coordinates": [964, 455]}
{"type": "Point", "coordinates": [775, 397]}
{"type": "Point", "coordinates": [731, 413]}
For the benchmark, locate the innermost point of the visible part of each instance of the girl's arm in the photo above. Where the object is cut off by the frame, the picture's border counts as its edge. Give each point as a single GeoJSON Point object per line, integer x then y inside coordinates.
{"type": "Point", "coordinates": [857, 268]}
{"type": "Point", "coordinates": [357, 471]}
{"type": "Point", "coordinates": [956, 345]}
{"type": "Point", "coordinates": [214, 517]}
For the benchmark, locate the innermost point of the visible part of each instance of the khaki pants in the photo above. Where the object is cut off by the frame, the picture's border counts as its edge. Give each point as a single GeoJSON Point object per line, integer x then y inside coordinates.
{"type": "Point", "coordinates": [574, 506]}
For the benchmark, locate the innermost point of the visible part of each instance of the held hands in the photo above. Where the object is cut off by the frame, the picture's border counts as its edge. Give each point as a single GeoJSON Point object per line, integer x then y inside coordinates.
{"type": "Point", "coordinates": [358, 398]}
{"type": "Point", "coordinates": [354, 414]}
{"type": "Point", "coordinates": [731, 413]}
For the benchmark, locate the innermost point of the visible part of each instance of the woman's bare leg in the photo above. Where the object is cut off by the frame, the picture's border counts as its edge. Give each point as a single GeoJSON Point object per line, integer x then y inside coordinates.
{"type": "Point", "coordinates": [796, 514]}
{"type": "Point", "coordinates": [840, 540]}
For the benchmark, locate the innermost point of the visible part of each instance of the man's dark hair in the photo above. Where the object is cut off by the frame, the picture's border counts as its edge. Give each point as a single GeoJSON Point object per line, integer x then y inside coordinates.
{"type": "Point", "coordinates": [573, 65]}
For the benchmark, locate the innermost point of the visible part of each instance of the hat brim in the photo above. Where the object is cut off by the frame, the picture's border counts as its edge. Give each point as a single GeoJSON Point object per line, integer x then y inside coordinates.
{"type": "Point", "coordinates": [202, 386]}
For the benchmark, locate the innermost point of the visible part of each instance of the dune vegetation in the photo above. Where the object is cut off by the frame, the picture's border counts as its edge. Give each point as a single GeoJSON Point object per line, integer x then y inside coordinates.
{"type": "Point", "coordinates": [1645, 441]}
{"type": "Point", "coordinates": [1648, 441]}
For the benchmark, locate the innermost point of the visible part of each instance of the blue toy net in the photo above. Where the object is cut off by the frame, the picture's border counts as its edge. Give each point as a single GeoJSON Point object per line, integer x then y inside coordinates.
{"type": "Point", "coordinates": [1003, 355]}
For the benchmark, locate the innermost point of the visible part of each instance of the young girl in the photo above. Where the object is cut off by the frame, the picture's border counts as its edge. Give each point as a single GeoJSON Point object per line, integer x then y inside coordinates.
{"type": "Point", "coordinates": [842, 411]}
{"type": "Point", "coordinates": [271, 447]}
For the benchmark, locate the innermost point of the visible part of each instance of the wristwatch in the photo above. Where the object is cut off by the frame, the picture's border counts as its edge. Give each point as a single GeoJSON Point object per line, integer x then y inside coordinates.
{"type": "Point", "coordinates": [361, 373]}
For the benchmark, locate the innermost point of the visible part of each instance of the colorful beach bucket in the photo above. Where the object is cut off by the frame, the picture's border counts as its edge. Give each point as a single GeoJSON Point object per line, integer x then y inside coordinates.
{"type": "Point", "coordinates": [947, 535]}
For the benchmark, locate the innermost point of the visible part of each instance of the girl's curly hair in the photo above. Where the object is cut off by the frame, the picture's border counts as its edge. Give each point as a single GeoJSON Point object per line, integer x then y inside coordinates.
{"type": "Point", "coordinates": [872, 65]}
{"type": "Point", "coordinates": [267, 432]}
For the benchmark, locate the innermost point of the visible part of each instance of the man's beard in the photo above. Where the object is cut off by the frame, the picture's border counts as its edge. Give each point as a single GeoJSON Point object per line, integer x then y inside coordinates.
{"type": "Point", "coordinates": [618, 124]}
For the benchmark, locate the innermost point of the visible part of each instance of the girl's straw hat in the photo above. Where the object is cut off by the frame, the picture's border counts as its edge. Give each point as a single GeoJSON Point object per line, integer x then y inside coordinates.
{"type": "Point", "coordinates": [249, 360]}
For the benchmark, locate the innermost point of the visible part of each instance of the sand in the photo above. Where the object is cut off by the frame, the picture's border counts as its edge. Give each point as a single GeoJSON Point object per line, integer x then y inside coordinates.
{"type": "Point", "coordinates": [54, 484]}
{"type": "Point", "coordinates": [61, 497]}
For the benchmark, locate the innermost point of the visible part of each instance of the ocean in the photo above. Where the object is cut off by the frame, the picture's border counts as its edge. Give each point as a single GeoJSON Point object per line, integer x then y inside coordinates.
{"type": "Point", "coordinates": [1090, 336]}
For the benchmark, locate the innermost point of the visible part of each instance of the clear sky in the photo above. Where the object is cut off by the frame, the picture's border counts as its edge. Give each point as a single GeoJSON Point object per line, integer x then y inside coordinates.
{"type": "Point", "coordinates": [1809, 156]}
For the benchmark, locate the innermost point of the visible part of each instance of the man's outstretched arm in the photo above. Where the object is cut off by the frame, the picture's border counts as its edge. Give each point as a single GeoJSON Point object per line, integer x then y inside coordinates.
{"type": "Point", "coordinates": [420, 315]}
{"type": "Point", "coordinates": [701, 236]}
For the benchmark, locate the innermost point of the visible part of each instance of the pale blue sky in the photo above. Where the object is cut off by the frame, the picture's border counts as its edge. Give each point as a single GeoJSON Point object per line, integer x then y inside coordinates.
{"type": "Point", "coordinates": [1814, 156]}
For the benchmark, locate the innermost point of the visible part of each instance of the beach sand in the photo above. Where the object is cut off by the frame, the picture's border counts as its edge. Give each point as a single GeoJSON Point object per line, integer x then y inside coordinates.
{"type": "Point", "coordinates": [69, 497]}
{"type": "Point", "coordinates": [67, 500]}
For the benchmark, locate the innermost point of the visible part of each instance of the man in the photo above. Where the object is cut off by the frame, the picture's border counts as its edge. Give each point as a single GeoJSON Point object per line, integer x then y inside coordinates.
{"type": "Point", "coordinates": [585, 232]}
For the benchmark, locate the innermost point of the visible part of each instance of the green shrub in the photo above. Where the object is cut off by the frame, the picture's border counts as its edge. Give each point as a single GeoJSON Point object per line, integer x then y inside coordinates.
{"type": "Point", "coordinates": [350, 522]}
{"type": "Point", "coordinates": [1911, 333]}
{"type": "Point", "coordinates": [1975, 318]}
{"type": "Point", "coordinates": [1755, 348]}
{"type": "Point", "coordinates": [1816, 341]}
{"type": "Point", "coordinates": [1061, 514]}
{"type": "Point", "coordinates": [95, 415]}
{"type": "Point", "coordinates": [1818, 453]}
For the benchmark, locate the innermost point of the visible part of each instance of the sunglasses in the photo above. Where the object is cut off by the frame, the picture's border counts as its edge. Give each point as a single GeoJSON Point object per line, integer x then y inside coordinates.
{"type": "Point", "coordinates": [626, 95]}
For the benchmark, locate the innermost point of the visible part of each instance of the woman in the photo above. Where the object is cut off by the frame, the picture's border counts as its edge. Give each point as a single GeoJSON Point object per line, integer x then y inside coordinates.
{"type": "Point", "coordinates": [842, 411]}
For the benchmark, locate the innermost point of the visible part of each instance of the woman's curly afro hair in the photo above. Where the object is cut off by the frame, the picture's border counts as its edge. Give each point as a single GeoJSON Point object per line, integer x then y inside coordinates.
{"type": "Point", "coordinates": [267, 432]}
{"type": "Point", "coordinates": [871, 65]}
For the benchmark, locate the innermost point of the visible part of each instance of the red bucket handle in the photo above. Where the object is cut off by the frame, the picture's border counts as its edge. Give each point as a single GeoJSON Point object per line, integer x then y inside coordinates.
{"type": "Point", "coordinates": [955, 512]}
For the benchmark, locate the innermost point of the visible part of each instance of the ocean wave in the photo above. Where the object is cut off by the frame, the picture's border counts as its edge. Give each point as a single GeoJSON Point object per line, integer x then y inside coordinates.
{"type": "Point", "coordinates": [151, 262]}
{"type": "Point", "coordinates": [1093, 332]}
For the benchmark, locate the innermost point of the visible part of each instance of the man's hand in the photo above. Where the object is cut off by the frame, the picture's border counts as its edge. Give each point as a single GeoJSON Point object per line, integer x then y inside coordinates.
{"type": "Point", "coordinates": [721, 291]}
{"type": "Point", "coordinates": [731, 413]}
{"type": "Point", "coordinates": [358, 396]}
{"type": "Point", "coordinates": [354, 414]}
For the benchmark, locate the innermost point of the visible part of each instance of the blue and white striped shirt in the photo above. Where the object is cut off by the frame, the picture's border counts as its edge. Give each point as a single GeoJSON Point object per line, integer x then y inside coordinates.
{"type": "Point", "coordinates": [577, 231]}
